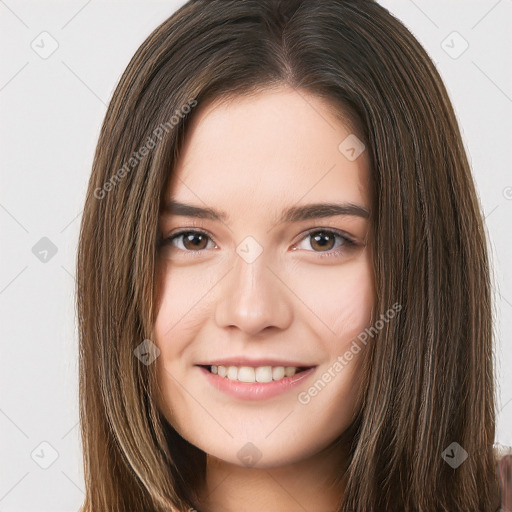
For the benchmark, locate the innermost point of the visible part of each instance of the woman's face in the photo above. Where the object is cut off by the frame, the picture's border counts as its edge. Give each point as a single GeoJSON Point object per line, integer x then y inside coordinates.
{"type": "Point", "coordinates": [265, 283]}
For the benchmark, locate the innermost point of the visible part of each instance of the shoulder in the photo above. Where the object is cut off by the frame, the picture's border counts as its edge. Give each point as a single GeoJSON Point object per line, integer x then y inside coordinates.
{"type": "Point", "coordinates": [503, 459]}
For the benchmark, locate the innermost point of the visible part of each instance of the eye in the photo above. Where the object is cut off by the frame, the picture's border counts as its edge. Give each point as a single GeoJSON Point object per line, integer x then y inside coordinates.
{"type": "Point", "coordinates": [189, 240]}
{"type": "Point", "coordinates": [323, 241]}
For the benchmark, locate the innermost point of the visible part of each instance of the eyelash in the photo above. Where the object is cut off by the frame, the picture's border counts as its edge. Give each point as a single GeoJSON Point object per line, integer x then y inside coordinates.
{"type": "Point", "coordinates": [347, 244]}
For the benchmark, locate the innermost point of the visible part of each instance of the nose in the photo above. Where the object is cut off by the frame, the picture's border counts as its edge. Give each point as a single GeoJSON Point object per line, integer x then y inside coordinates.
{"type": "Point", "coordinates": [253, 298]}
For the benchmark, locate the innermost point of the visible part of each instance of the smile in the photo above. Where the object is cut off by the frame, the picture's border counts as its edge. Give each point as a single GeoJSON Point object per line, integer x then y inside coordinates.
{"type": "Point", "coordinates": [242, 382]}
{"type": "Point", "coordinates": [255, 374]}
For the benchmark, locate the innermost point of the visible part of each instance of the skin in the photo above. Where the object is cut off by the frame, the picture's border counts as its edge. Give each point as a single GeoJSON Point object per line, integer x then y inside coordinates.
{"type": "Point", "coordinates": [252, 157]}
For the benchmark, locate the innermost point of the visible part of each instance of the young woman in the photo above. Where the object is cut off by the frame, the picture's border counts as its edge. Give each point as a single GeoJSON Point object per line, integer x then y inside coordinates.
{"type": "Point", "coordinates": [283, 283]}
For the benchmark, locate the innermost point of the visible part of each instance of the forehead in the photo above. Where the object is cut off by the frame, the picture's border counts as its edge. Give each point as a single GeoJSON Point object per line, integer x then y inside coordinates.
{"type": "Point", "coordinates": [266, 150]}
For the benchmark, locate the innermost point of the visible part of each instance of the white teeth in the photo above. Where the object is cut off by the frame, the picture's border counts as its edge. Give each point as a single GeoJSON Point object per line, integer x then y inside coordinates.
{"type": "Point", "coordinates": [251, 374]}
{"type": "Point", "coordinates": [245, 374]}
{"type": "Point", "coordinates": [290, 370]}
{"type": "Point", "coordinates": [278, 372]}
{"type": "Point", "coordinates": [232, 373]}
{"type": "Point", "coordinates": [264, 374]}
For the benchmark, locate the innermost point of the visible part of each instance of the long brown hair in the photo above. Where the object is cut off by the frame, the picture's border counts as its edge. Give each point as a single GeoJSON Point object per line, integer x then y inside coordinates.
{"type": "Point", "coordinates": [429, 375]}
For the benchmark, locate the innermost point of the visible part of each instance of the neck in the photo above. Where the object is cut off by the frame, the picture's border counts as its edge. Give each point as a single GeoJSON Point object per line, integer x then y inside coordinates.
{"type": "Point", "coordinates": [305, 485]}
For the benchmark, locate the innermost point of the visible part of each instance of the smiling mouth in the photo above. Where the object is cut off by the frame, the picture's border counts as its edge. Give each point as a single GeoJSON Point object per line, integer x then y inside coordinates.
{"type": "Point", "coordinates": [251, 374]}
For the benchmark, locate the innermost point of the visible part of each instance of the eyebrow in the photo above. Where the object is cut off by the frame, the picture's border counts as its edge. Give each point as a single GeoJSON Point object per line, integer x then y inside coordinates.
{"type": "Point", "coordinates": [292, 214]}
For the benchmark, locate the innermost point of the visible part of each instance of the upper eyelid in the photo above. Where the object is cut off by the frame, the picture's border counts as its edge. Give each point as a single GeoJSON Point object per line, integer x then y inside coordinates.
{"type": "Point", "coordinates": [192, 230]}
{"type": "Point", "coordinates": [336, 231]}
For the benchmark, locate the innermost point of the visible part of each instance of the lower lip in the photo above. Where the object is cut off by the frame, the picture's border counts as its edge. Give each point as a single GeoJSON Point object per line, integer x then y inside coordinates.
{"type": "Point", "coordinates": [256, 390]}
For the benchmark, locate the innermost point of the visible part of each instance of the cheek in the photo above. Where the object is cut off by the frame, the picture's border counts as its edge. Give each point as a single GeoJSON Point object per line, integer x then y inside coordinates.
{"type": "Point", "coordinates": [180, 305]}
{"type": "Point", "coordinates": [339, 299]}
{"type": "Point", "coordinates": [343, 299]}
{"type": "Point", "coordinates": [351, 308]}
{"type": "Point", "coordinates": [179, 312]}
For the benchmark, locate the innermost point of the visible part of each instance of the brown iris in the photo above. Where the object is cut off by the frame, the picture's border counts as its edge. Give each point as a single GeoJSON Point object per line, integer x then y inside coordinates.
{"type": "Point", "coordinates": [320, 239]}
{"type": "Point", "coordinates": [192, 241]}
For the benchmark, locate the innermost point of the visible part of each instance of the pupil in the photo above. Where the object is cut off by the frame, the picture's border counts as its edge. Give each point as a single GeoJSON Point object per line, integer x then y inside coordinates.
{"type": "Point", "coordinates": [317, 239]}
{"type": "Point", "coordinates": [190, 237]}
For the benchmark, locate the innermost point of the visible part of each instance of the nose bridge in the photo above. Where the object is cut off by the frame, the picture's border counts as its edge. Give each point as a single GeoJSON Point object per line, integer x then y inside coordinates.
{"type": "Point", "coordinates": [253, 298]}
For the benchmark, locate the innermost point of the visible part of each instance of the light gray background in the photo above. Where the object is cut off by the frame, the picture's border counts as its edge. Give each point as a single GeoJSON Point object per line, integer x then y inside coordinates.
{"type": "Point", "coordinates": [51, 111]}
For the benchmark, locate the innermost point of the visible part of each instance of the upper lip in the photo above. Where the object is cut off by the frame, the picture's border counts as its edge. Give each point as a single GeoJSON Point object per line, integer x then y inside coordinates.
{"type": "Point", "coordinates": [244, 361]}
